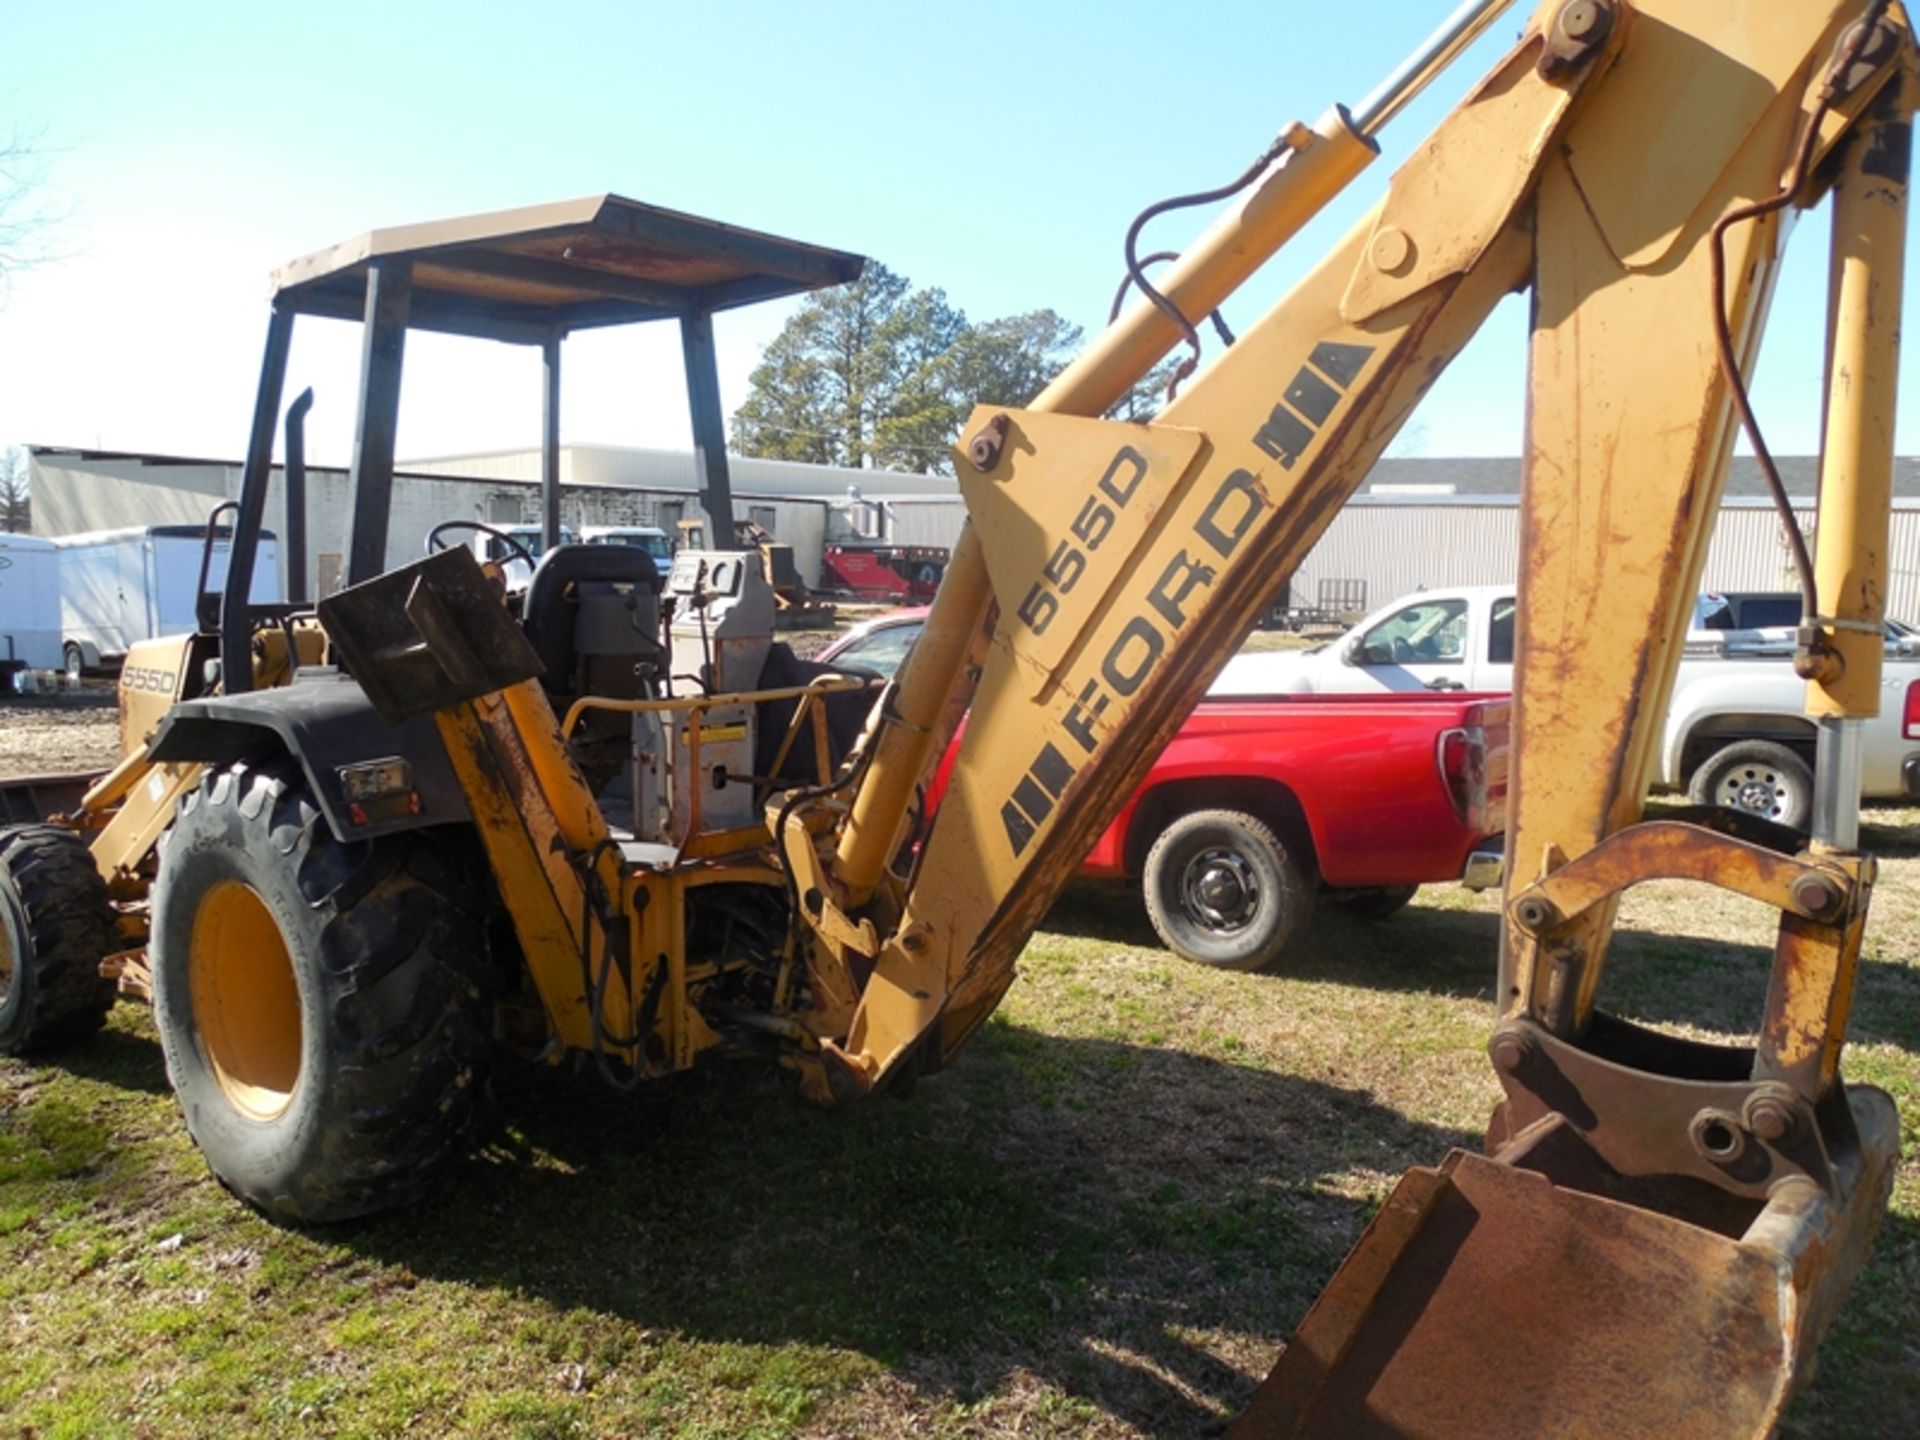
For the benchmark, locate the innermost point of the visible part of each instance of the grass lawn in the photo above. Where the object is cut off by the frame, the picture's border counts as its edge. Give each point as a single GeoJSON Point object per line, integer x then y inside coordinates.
{"type": "Point", "coordinates": [1102, 1221]}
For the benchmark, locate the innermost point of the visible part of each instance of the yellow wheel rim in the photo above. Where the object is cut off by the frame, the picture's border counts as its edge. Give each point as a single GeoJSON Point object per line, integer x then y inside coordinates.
{"type": "Point", "coordinates": [246, 1003]}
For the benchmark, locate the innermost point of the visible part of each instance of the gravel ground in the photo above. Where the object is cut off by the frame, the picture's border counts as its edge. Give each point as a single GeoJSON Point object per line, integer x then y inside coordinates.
{"type": "Point", "coordinates": [50, 734]}
{"type": "Point", "coordinates": [80, 730]}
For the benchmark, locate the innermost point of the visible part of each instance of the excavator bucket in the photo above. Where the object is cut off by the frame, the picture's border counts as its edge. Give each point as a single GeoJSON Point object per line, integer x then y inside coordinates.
{"type": "Point", "coordinates": [1505, 1296]}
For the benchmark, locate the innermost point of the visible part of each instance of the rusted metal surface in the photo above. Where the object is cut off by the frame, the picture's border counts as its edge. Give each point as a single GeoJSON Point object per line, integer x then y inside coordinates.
{"type": "Point", "coordinates": [27, 798]}
{"type": "Point", "coordinates": [1497, 1298]}
{"type": "Point", "coordinates": [1810, 989]}
{"type": "Point", "coordinates": [1674, 850]}
{"type": "Point", "coordinates": [1655, 1105]}
{"type": "Point", "coordinates": [131, 974]}
{"type": "Point", "coordinates": [1578, 29]}
{"type": "Point", "coordinates": [983, 451]}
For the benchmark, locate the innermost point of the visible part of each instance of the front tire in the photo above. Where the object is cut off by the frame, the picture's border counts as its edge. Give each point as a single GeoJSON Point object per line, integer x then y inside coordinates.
{"type": "Point", "coordinates": [74, 662]}
{"type": "Point", "coordinates": [1758, 777]}
{"type": "Point", "coordinates": [56, 925]}
{"type": "Point", "coordinates": [323, 1006]}
{"type": "Point", "coordinates": [1223, 890]}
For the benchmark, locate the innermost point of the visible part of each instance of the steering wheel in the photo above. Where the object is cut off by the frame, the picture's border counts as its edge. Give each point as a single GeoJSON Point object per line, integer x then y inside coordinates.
{"type": "Point", "coordinates": [1403, 651]}
{"type": "Point", "coordinates": [434, 541]}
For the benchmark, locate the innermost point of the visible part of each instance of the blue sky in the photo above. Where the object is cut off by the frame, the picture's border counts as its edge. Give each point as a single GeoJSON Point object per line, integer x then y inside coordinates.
{"type": "Point", "coordinates": [996, 150]}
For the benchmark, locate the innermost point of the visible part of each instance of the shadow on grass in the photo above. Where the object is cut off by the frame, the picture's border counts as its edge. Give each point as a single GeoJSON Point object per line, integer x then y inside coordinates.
{"type": "Point", "coordinates": [1081, 1210]}
{"type": "Point", "coordinates": [1868, 1380]}
{"type": "Point", "coordinates": [1447, 952]}
{"type": "Point", "coordinates": [1891, 833]}
{"type": "Point", "coordinates": [1722, 986]}
{"type": "Point", "coordinates": [1672, 979]}
{"type": "Point", "coordinates": [116, 1057]}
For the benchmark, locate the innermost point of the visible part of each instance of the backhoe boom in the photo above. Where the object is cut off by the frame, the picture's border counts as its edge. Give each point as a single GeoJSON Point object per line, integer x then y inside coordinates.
{"type": "Point", "coordinates": [1109, 570]}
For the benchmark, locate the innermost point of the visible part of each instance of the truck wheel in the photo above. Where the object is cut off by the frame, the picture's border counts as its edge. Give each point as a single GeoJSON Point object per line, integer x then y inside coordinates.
{"type": "Point", "coordinates": [1222, 890]}
{"type": "Point", "coordinates": [56, 925]}
{"type": "Point", "coordinates": [1757, 776]}
{"type": "Point", "coordinates": [74, 662]}
{"type": "Point", "coordinates": [1381, 904]}
{"type": "Point", "coordinates": [324, 1007]}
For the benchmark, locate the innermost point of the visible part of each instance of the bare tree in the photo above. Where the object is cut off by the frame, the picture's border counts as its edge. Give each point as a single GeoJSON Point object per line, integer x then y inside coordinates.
{"type": "Point", "coordinates": [23, 218]}
{"type": "Point", "coordinates": [16, 504]}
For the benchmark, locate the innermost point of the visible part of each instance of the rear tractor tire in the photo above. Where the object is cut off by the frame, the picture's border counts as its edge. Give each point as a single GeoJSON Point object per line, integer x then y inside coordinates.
{"type": "Point", "coordinates": [56, 926]}
{"type": "Point", "coordinates": [324, 1006]}
{"type": "Point", "coordinates": [1223, 890]}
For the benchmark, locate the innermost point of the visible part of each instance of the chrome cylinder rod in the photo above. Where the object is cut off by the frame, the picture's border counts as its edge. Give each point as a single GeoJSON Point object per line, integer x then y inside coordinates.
{"type": "Point", "coordinates": [1836, 783]}
{"type": "Point", "coordinates": [1418, 70]}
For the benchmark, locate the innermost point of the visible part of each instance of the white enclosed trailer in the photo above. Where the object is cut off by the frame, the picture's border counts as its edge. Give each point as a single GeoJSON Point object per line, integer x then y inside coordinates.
{"type": "Point", "coordinates": [119, 587]}
{"type": "Point", "coordinates": [29, 605]}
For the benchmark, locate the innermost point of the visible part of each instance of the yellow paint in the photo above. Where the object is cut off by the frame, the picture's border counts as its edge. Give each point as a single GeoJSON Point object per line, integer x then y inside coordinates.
{"type": "Point", "coordinates": [718, 734]}
{"type": "Point", "coordinates": [529, 844]}
{"type": "Point", "coordinates": [1628, 440]}
{"type": "Point", "coordinates": [1856, 472]}
{"type": "Point", "coordinates": [1154, 614]}
{"type": "Point", "coordinates": [1321, 162]}
{"type": "Point", "coordinates": [246, 1001]}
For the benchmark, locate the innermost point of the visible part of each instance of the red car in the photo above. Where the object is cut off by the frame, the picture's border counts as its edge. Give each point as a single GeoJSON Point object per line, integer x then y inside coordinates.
{"type": "Point", "coordinates": [1260, 808]}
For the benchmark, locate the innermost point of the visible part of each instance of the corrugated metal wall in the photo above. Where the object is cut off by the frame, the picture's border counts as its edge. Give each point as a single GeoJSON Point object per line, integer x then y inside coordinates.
{"type": "Point", "coordinates": [1394, 546]}
{"type": "Point", "coordinates": [75, 494]}
{"type": "Point", "coordinates": [925, 522]}
{"type": "Point", "coordinates": [1397, 546]}
{"type": "Point", "coordinates": [1391, 545]}
{"type": "Point", "coordinates": [619, 465]}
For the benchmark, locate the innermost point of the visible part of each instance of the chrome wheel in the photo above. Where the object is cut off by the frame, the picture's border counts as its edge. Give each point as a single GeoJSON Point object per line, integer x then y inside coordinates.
{"type": "Point", "coordinates": [1220, 889]}
{"type": "Point", "coordinates": [1756, 789]}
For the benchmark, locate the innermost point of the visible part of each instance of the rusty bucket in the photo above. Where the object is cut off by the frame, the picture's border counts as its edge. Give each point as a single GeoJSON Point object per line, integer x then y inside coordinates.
{"type": "Point", "coordinates": [1508, 1296]}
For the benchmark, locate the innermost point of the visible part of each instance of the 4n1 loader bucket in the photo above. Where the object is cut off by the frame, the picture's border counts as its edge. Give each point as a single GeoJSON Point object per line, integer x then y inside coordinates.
{"type": "Point", "coordinates": [1511, 1297]}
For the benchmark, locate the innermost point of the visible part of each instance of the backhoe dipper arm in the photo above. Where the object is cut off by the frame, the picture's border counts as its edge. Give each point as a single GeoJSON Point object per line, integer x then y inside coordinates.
{"type": "Point", "coordinates": [1663, 1227]}
{"type": "Point", "coordinates": [1110, 569]}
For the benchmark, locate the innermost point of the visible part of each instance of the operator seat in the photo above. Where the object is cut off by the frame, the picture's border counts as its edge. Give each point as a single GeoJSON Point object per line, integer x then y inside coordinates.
{"type": "Point", "coordinates": [572, 606]}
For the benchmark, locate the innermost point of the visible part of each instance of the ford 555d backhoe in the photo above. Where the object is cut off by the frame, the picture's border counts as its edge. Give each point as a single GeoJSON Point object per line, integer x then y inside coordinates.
{"type": "Point", "coordinates": [610, 819]}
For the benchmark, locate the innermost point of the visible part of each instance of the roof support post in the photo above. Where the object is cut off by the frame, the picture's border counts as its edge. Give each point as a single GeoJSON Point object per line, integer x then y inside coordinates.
{"type": "Point", "coordinates": [389, 290]}
{"type": "Point", "coordinates": [236, 622]}
{"type": "Point", "coordinates": [550, 444]}
{"type": "Point", "coordinates": [709, 426]}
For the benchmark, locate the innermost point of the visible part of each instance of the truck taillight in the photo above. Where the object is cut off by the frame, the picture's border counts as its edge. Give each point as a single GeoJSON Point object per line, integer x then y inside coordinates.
{"type": "Point", "coordinates": [1463, 770]}
{"type": "Point", "coordinates": [1910, 716]}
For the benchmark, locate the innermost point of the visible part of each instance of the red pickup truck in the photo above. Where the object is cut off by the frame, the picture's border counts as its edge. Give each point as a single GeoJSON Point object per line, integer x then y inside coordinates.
{"type": "Point", "coordinates": [1261, 808]}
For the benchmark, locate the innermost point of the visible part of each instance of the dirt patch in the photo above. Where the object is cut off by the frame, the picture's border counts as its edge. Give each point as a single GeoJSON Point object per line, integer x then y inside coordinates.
{"type": "Point", "coordinates": [53, 734]}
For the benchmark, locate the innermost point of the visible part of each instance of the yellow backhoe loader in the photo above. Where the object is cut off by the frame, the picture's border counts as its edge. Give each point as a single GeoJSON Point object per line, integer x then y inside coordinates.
{"type": "Point", "coordinates": [618, 824]}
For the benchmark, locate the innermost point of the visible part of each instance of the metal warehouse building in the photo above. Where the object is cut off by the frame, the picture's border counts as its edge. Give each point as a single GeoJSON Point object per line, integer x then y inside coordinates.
{"type": "Point", "coordinates": [1417, 523]}
{"type": "Point", "coordinates": [804, 505]}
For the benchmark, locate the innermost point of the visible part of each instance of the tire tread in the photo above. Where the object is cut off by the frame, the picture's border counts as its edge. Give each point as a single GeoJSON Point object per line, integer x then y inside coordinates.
{"type": "Point", "coordinates": [70, 926]}
{"type": "Point", "coordinates": [409, 1019]}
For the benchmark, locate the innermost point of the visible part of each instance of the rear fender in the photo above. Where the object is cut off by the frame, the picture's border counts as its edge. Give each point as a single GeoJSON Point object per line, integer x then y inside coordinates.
{"type": "Point", "coordinates": [325, 722]}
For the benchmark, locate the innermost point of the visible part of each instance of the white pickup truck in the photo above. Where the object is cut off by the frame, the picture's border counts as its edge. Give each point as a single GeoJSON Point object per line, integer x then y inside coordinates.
{"type": "Point", "coordinates": [1736, 733]}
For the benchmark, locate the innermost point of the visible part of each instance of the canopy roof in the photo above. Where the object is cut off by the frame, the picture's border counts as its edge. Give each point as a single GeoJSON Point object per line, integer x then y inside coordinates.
{"type": "Point", "coordinates": [521, 274]}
